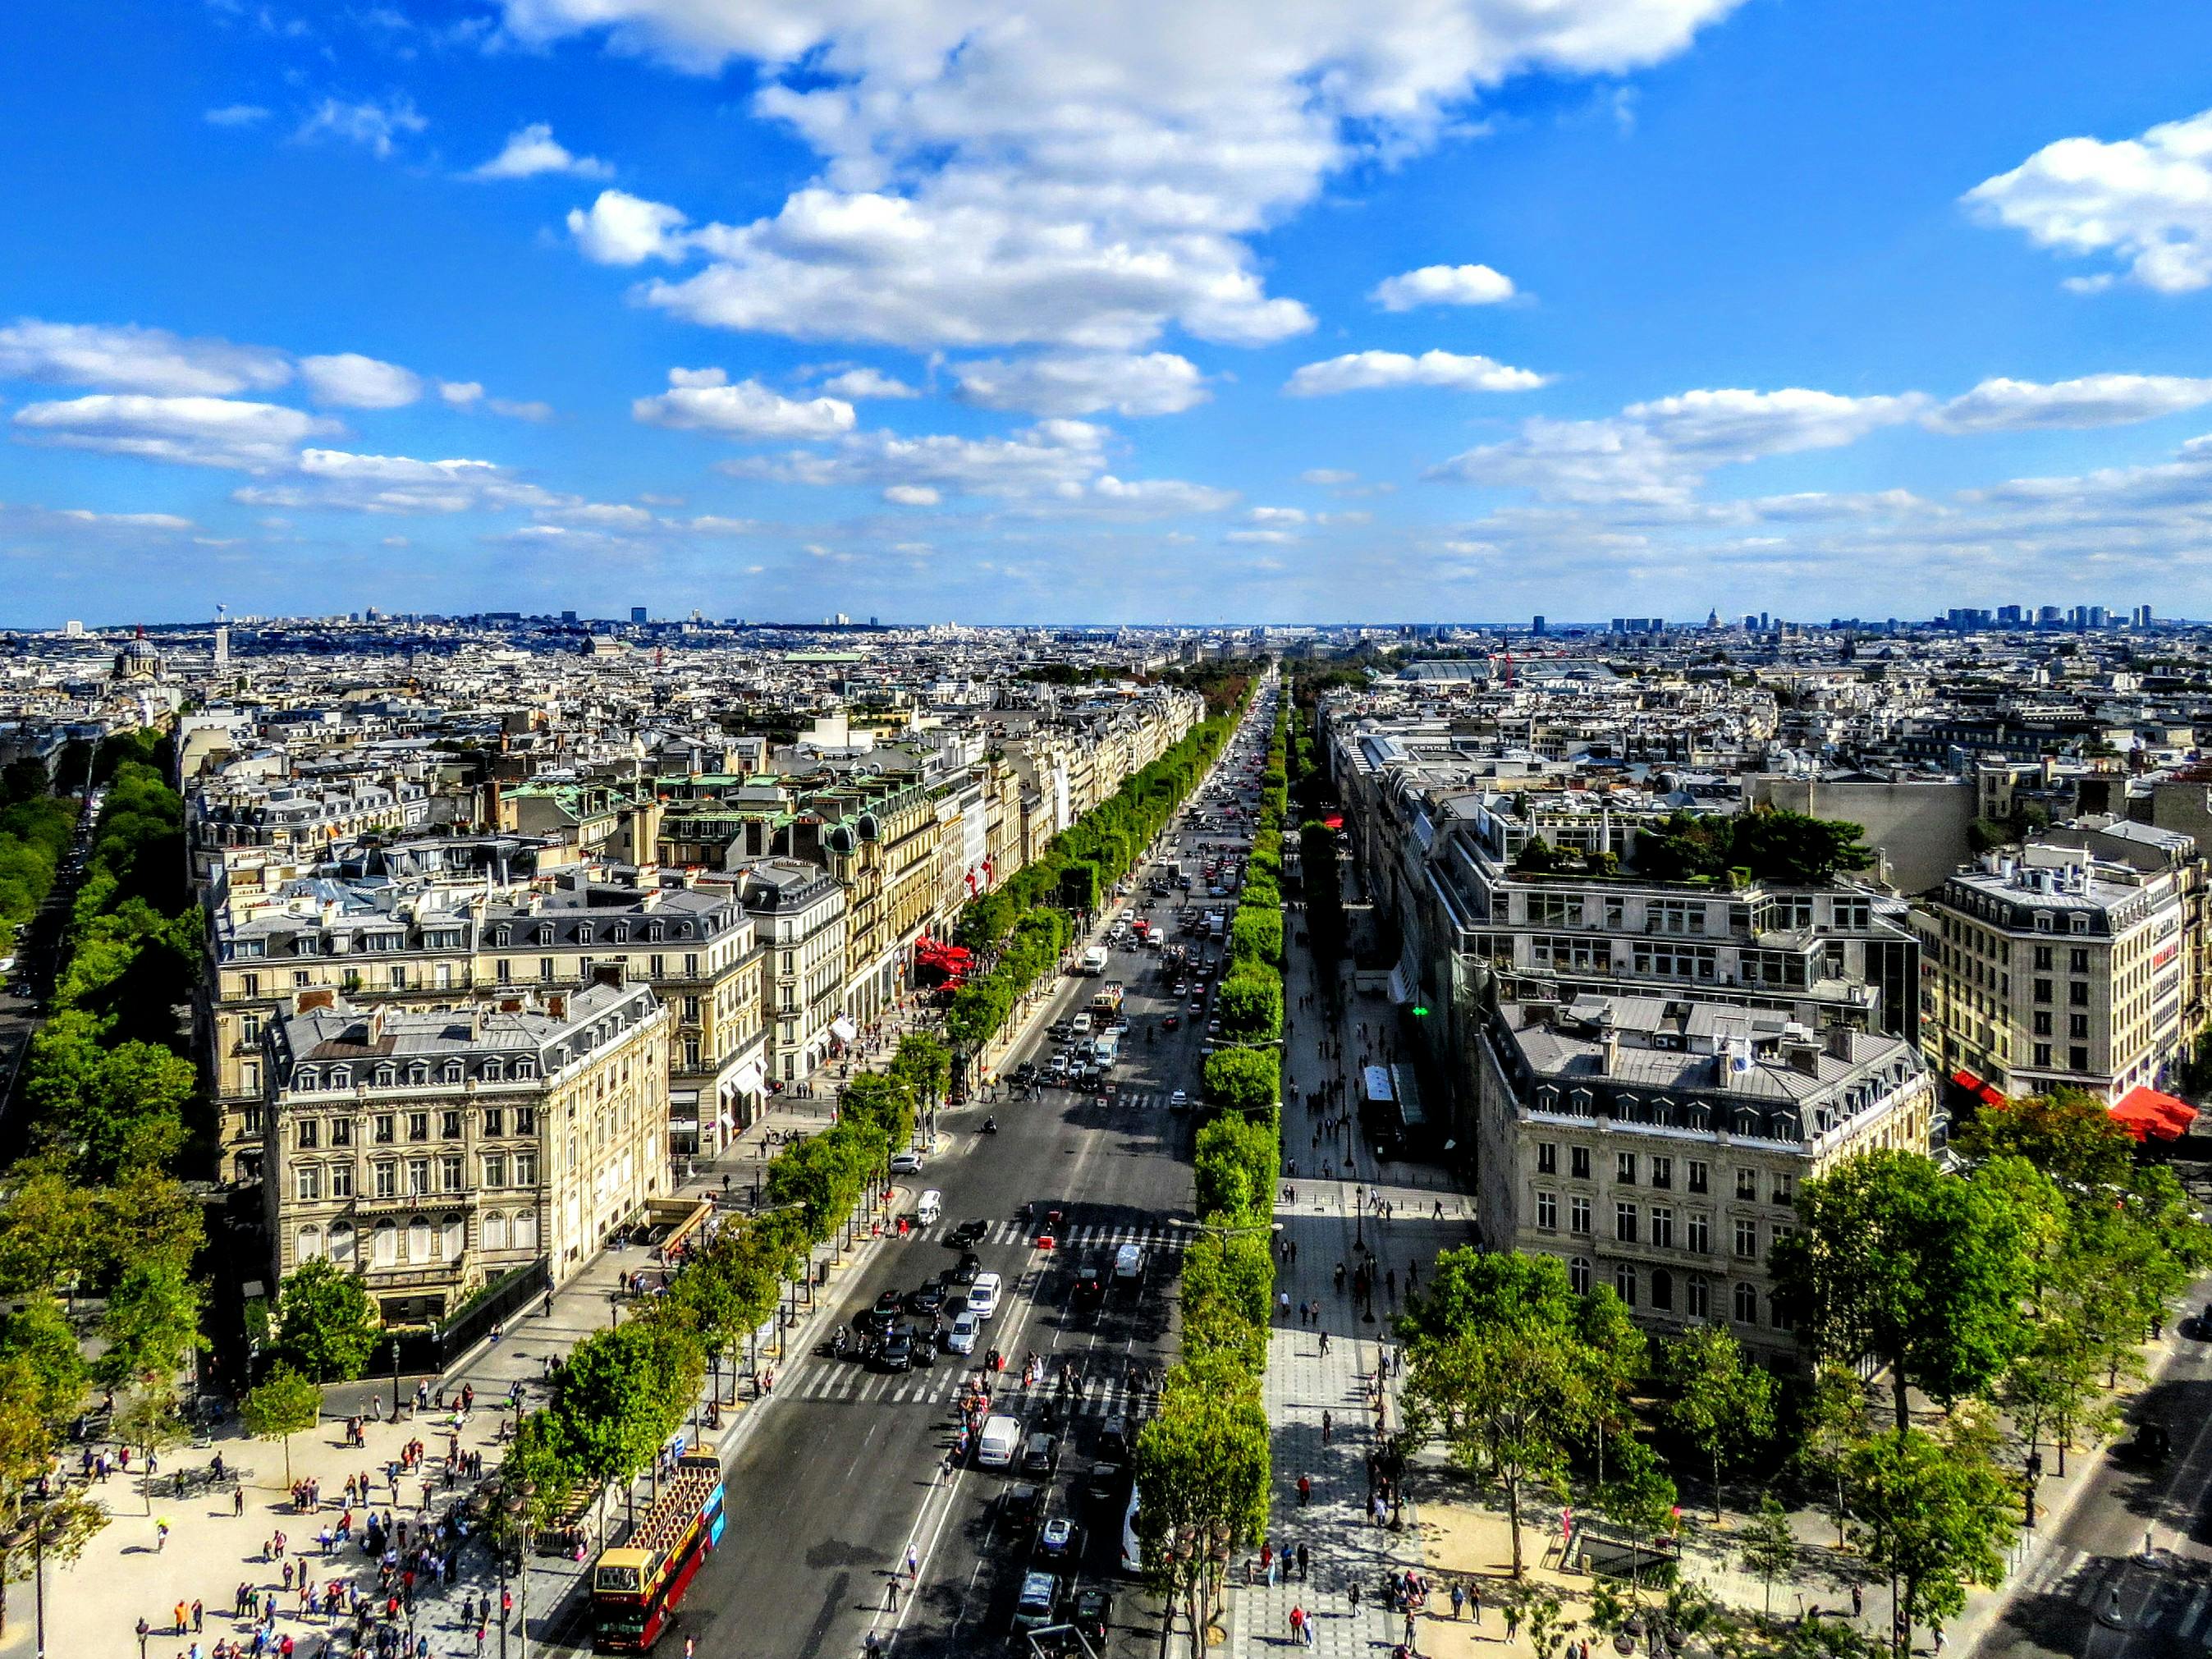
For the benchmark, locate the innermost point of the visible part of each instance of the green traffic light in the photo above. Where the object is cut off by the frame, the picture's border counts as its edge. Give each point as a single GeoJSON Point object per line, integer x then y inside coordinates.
{"type": "Point", "coordinates": [1419, 1012]}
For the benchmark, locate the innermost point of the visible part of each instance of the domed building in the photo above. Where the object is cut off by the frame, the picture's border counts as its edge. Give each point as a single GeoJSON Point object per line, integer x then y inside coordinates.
{"type": "Point", "coordinates": [138, 661]}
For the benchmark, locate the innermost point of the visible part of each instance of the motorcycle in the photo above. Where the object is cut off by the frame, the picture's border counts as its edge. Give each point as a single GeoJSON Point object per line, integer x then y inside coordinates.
{"type": "Point", "coordinates": [990, 1126]}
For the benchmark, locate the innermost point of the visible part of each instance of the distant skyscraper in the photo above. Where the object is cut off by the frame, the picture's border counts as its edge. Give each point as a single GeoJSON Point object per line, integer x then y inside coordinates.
{"type": "Point", "coordinates": [222, 648]}
{"type": "Point", "coordinates": [637, 615]}
{"type": "Point", "coordinates": [1538, 629]}
{"type": "Point", "coordinates": [73, 629]}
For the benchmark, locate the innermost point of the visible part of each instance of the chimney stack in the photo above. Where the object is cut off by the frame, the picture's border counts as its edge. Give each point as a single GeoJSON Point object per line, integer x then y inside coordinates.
{"type": "Point", "coordinates": [1839, 1042]}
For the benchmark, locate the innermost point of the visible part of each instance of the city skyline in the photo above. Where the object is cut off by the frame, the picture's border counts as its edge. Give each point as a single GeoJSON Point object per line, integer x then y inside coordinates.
{"type": "Point", "coordinates": [786, 311]}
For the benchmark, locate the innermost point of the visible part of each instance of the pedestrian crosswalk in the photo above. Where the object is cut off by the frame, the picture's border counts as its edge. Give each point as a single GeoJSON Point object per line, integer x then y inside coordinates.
{"type": "Point", "coordinates": [850, 1382]}
{"type": "Point", "coordinates": [2177, 1603]}
{"type": "Point", "coordinates": [1154, 1237]}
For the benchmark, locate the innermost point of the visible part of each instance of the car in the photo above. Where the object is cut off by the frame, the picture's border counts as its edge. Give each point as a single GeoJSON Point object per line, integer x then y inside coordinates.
{"type": "Point", "coordinates": [1179, 1101]}
{"type": "Point", "coordinates": [1038, 1604]}
{"type": "Point", "coordinates": [1093, 1615]}
{"type": "Point", "coordinates": [906, 1162]}
{"type": "Point", "coordinates": [970, 1269]}
{"type": "Point", "coordinates": [1060, 1545]}
{"type": "Point", "coordinates": [2152, 1445]}
{"type": "Point", "coordinates": [895, 1352]}
{"type": "Point", "coordinates": [1113, 1438]}
{"type": "Point", "coordinates": [928, 1299]}
{"type": "Point", "coordinates": [967, 1233]}
{"type": "Point", "coordinates": [1020, 1506]}
{"type": "Point", "coordinates": [1040, 1453]}
{"type": "Point", "coordinates": [1213, 1028]}
{"type": "Point", "coordinates": [1091, 1280]}
{"type": "Point", "coordinates": [885, 1313]}
{"type": "Point", "coordinates": [1103, 1483]}
{"type": "Point", "coordinates": [1173, 1022]}
{"type": "Point", "coordinates": [960, 1338]}
{"type": "Point", "coordinates": [922, 1343]}
{"type": "Point", "coordinates": [983, 1296]}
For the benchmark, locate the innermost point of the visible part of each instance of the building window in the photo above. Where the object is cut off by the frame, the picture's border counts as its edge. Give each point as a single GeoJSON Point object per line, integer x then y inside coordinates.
{"type": "Point", "coordinates": [1548, 1212]}
{"type": "Point", "coordinates": [1784, 1190]}
{"type": "Point", "coordinates": [503, 971]}
{"type": "Point", "coordinates": [307, 1183]}
{"type": "Point", "coordinates": [450, 1177]}
{"type": "Point", "coordinates": [1578, 1215]}
{"type": "Point", "coordinates": [2077, 1058]}
{"type": "Point", "coordinates": [1624, 1168]}
{"type": "Point", "coordinates": [1663, 1171]}
{"type": "Point", "coordinates": [2043, 1022]}
{"type": "Point", "coordinates": [1747, 1304]}
{"type": "Point", "coordinates": [495, 1120]}
{"type": "Point", "coordinates": [495, 1168]}
{"type": "Point", "coordinates": [525, 1119]}
{"type": "Point", "coordinates": [1698, 1298]}
{"type": "Point", "coordinates": [1747, 1185]}
{"type": "Point", "coordinates": [2077, 1027]}
{"type": "Point", "coordinates": [1747, 1241]}
{"type": "Point", "coordinates": [2043, 990]}
{"type": "Point", "coordinates": [341, 1181]}
{"type": "Point", "coordinates": [305, 1133]}
{"type": "Point", "coordinates": [418, 1125]}
{"type": "Point", "coordinates": [1578, 1274]}
{"type": "Point", "coordinates": [526, 1169]}
{"type": "Point", "coordinates": [387, 1179]}
{"type": "Point", "coordinates": [2077, 961]}
{"type": "Point", "coordinates": [1624, 1222]}
{"type": "Point", "coordinates": [449, 1123]}
{"type": "Point", "coordinates": [384, 1245]}
{"type": "Point", "coordinates": [1663, 1228]}
{"type": "Point", "coordinates": [1547, 1158]}
{"type": "Point", "coordinates": [1624, 1281]}
{"type": "Point", "coordinates": [2077, 993]}
{"type": "Point", "coordinates": [1662, 1290]}
{"type": "Point", "coordinates": [419, 1176]}
{"type": "Point", "coordinates": [2042, 1054]}
{"type": "Point", "coordinates": [1578, 1162]}
{"type": "Point", "coordinates": [385, 1124]}
{"type": "Point", "coordinates": [1701, 1175]}
{"type": "Point", "coordinates": [546, 969]}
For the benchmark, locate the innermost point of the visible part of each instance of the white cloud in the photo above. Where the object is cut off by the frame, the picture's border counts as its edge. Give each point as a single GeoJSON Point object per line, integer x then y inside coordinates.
{"type": "Point", "coordinates": [532, 150]}
{"type": "Point", "coordinates": [703, 400]}
{"type": "Point", "coordinates": [2147, 202]}
{"type": "Point", "coordinates": [1658, 451]}
{"type": "Point", "coordinates": [461, 394]}
{"type": "Point", "coordinates": [525, 409]}
{"type": "Point", "coordinates": [2008, 405]}
{"type": "Point", "coordinates": [235, 115]}
{"type": "Point", "coordinates": [622, 229]}
{"type": "Point", "coordinates": [191, 431]}
{"type": "Point", "coordinates": [1266, 538]}
{"type": "Point", "coordinates": [1151, 383]}
{"type": "Point", "coordinates": [1278, 515]}
{"type": "Point", "coordinates": [470, 394]}
{"type": "Point", "coordinates": [867, 383]}
{"type": "Point", "coordinates": [1078, 177]}
{"type": "Point", "coordinates": [373, 125]}
{"type": "Point", "coordinates": [1149, 496]}
{"type": "Point", "coordinates": [18, 518]}
{"type": "Point", "coordinates": [339, 479]}
{"type": "Point", "coordinates": [1328, 475]}
{"type": "Point", "coordinates": [122, 357]}
{"type": "Point", "coordinates": [346, 380]}
{"type": "Point", "coordinates": [911, 495]}
{"type": "Point", "coordinates": [1443, 285]}
{"type": "Point", "coordinates": [1368, 371]}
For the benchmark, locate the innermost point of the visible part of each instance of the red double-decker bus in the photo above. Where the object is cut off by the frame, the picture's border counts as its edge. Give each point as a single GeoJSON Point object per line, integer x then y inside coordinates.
{"type": "Point", "coordinates": [636, 1589]}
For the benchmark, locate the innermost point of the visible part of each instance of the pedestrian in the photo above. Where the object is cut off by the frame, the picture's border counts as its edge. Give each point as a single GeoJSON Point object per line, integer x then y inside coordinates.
{"type": "Point", "coordinates": [1352, 1591]}
{"type": "Point", "coordinates": [1303, 1560]}
{"type": "Point", "coordinates": [891, 1593]}
{"type": "Point", "coordinates": [1297, 1625]}
{"type": "Point", "coordinates": [1858, 1600]}
{"type": "Point", "coordinates": [1328, 1427]}
{"type": "Point", "coordinates": [181, 1616]}
{"type": "Point", "coordinates": [1411, 1646]}
{"type": "Point", "coordinates": [1459, 1602]}
{"type": "Point", "coordinates": [913, 1563]}
{"type": "Point", "coordinates": [1305, 1489]}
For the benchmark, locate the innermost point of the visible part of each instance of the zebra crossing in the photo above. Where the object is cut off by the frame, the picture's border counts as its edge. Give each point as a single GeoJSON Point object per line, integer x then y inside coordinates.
{"type": "Point", "coordinates": [851, 1382]}
{"type": "Point", "coordinates": [1075, 1238]}
{"type": "Point", "coordinates": [2178, 1604]}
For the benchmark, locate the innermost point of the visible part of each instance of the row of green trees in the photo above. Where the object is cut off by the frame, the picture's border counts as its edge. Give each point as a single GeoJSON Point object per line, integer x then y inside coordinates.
{"type": "Point", "coordinates": [1203, 1465]}
{"type": "Point", "coordinates": [1023, 925]}
{"type": "Point", "coordinates": [94, 1208]}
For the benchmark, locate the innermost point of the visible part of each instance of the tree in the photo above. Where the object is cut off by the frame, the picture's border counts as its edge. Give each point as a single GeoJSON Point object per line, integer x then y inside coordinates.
{"type": "Point", "coordinates": [1769, 1548]}
{"type": "Point", "coordinates": [1236, 1269]}
{"type": "Point", "coordinates": [1508, 1404]}
{"type": "Point", "coordinates": [1243, 1079]}
{"type": "Point", "coordinates": [1897, 1261]}
{"type": "Point", "coordinates": [1637, 1495]}
{"type": "Point", "coordinates": [1834, 1424]}
{"type": "Point", "coordinates": [1202, 1481]}
{"type": "Point", "coordinates": [284, 1403]}
{"type": "Point", "coordinates": [1250, 1004]}
{"type": "Point", "coordinates": [1934, 1515]}
{"type": "Point", "coordinates": [1722, 1406]}
{"type": "Point", "coordinates": [623, 1392]}
{"type": "Point", "coordinates": [151, 1324]}
{"type": "Point", "coordinates": [1235, 1165]}
{"type": "Point", "coordinates": [325, 1325]}
{"type": "Point", "coordinates": [56, 1530]}
{"type": "Point", "coordinates": [53, 1373]}
{"type": "Point", "coordinates": [49, 1230]}
{"type": "Point", "coordinates": [148, 1420]}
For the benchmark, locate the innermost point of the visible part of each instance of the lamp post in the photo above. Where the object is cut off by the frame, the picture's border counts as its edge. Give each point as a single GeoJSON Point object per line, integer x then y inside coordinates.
{"type": "Point", "coordinates": [395, 1376]}
{"type": "Point", "coordinates": [33, 1530]}
{"type": "Point", "coordinates": [518, 1509]}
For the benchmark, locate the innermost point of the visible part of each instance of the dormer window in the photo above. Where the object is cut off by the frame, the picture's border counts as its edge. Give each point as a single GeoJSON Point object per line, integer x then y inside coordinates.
{"type": "Point", "coordinates": [545, 932]}
{"type": "Point", "coordinates": [493, 1071]}
{"type": "Point", "coordinates": [502, 937]}
{"type": "Point", "coordinates": [654, 933]}
{"type": "Point", "coordinates": [525, 1069]}
{"type": "Point", "coordinates": [341, 1077]}
{"type": "Point", "coordinates": [308, 1080]}
{"type": "Point", "coordinates": [584, 934]}
{"type": "Point", "coordinates": [418, 1074]}
{"type": "Point", "coordinates": [387, 1076]}
{"type": "Point", "coordinates": [454, 1071]}
{"type": "Point", "coordinates": [306, 945]}
{"type": "Point", "coordinates": [619, 932]}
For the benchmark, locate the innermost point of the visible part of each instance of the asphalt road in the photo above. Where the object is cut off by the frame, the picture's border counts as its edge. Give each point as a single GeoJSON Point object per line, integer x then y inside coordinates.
{"type": "Point", "coordinates": [846, 1473]}
{"type": "Point", "coordinates": [2090, 1591]}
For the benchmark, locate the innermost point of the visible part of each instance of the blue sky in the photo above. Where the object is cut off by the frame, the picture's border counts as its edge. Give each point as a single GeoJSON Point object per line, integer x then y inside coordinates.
{"type": "Point", "coordinates": [1149, 312]}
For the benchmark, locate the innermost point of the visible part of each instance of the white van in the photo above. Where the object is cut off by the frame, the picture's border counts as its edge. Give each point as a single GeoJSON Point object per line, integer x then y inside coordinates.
{"type": "Point", "coordinates": [1129, 1266]}
{"type": "Point", "coordinates": [1000, 1439]}
{"type": "Point", "coordinates": [930, 1208]}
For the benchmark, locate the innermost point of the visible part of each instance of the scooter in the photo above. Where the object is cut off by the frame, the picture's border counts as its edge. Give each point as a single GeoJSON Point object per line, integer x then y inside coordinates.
{"type": "Point", "coordinates": [990, 1126]}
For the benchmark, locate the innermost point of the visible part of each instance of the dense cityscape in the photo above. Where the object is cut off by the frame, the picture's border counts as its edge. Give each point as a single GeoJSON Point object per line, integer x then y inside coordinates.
{"type": "Point", "coordinates": [974, 829]}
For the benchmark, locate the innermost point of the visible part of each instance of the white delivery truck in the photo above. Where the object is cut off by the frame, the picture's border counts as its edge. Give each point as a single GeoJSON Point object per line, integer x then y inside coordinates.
{"type": "Point", "coordinates": [1094, 961]}
{"type": "Point", "coordinates": [1000, 1439]}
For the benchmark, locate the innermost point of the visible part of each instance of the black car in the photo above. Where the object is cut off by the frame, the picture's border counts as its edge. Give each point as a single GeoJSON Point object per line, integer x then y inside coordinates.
{"type": "Point", "coordinates": [929, 1299]}
{"type": "Point", "coordinates": [1090, 1280]}
{"type": "Point", "coordinates": [922, 1340]}
{"type": "Point", "coordinates": [1093, 1615]}
{"type": "Point", "coordinates": [885, 1313]}
{"type": "Point", "coordinates": [1105, 1481]}
{"type": "Point", "coordinates": [1040, 1453]}
{"type": "Point", "coordinates": [895, 1352]}
{"type": "Point", "coordinates": [970, 1269]}
{"type": "Point", "coordinates": [1020, 1507]}
{"type": "Point", "coordinates": [967, 1233]}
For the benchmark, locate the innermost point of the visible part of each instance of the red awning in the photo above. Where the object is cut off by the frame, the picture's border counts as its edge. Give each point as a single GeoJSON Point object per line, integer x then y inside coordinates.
{"type": "Point", "coordinates": [1987, 1093]}
{"type": "Point", "coordinates": [2144, 1112]}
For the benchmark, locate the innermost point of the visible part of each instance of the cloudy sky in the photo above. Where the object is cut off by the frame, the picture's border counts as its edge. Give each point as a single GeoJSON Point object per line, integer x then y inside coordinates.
{"type": "Point", "coordinates": [1146, 310]}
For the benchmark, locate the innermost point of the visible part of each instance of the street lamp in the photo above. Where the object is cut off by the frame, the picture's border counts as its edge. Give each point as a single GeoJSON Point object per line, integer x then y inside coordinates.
{"type": "Point", "coordinates": [518, 1509]}
{"type": "Point", "coordinates": [33, 1530]}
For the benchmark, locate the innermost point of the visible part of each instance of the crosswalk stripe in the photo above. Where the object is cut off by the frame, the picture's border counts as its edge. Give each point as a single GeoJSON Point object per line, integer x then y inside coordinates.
{"type": "Point", "coordinates": [2088, 1591]}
